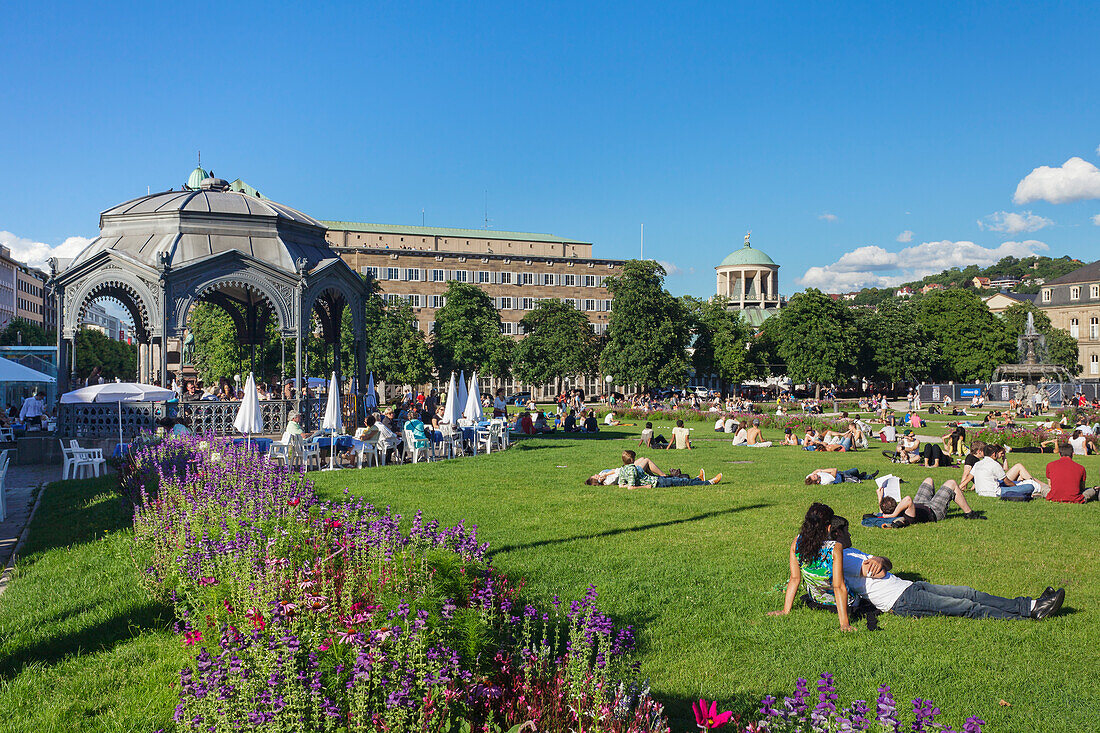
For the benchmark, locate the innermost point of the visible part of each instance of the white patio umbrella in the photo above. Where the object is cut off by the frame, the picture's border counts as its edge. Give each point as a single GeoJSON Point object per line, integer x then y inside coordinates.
{"type": "Point", "coordinates": [452, 410]}
{"type": "Point", "coordinates": [13, 371]}
{"type": "Point", "coordinates": [334, 418]}
{"type": "Point", "coordinates": [473, 410]}
{"type": "Point", "coordinates": [461, 394]}
{"type": "Point", "coordinates": [118, 392]}
{"type": "Point", "coordinates": [249, 418]}
{"type": "Point", "coordinates": [371, 400]}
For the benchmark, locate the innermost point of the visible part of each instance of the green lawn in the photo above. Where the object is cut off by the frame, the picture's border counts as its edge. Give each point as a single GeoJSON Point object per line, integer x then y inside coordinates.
{"type": "Point", "coordinates": [83, 648]}
{"type": "Point", "coordinates": [694, 569]}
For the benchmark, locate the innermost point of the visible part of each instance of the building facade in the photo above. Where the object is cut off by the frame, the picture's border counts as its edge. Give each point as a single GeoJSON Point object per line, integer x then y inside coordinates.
{"type": "Point", "coordinates": [516, 269]}
{"type": "Point", "coordinates": [33, 301]}
{"type": "Point", "coordinates": [750, 280]}
{"type": "Point", "coordinates": [8, 267]}
{"type": "Point", "coordinates": [1073, 304]}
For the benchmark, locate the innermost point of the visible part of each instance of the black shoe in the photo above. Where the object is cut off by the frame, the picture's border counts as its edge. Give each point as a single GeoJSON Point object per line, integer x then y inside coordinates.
{"type": "Point", "coordinates": [890, 454]}
{"type": "Point", "coordinates": [1048, 606]}
{"type": "Point", "coordinates": [874, 474]}
{"type": "Point", "coordinates": [1046, 594]}
{"type": "Point", "coordinates": [974, 515]}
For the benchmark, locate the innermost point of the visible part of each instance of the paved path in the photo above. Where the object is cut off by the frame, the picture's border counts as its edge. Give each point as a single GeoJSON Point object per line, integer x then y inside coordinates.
{"type": "Point", "coordinates": [20, 491]}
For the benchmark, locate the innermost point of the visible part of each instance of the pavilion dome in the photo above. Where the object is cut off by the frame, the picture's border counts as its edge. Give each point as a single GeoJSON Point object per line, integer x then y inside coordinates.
{"type": "Point", "coordinates": [193, 225]}
{"type": "Point", "coordinates": [747, 255]}
{"type": "Point", "coordinates": [194, 181]}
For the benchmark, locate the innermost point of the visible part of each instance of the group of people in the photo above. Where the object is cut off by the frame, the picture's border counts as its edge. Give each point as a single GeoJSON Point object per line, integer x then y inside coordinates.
{"type": "Point", "coordinates": [839, 577]}
{"type": "Point", "coordinates": [638, 472]}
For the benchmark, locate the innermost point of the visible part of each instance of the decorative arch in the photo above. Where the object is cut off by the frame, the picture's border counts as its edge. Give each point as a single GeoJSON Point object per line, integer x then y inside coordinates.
{"type": "Point", "coordinates": [131, 291]}
{"type": "Point", "coordinates": [203, 290]}
{"type": "Point", "coordinates": [318, 296]}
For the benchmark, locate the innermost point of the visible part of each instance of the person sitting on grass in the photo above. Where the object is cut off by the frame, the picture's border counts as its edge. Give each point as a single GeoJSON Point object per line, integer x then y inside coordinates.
{"type": "Point", "coordinates": [681, 437]}
{"type": "Point", "coordinates": [591, 425]}
{"type": "Point", "coordinates": [826, 476]}
{"type": "Point", "coordinates": [1067, 478]}
{"type": "Point", "coordinates": [814, 441]}
{"type": "Point", "coordinates": [925, 506]}
{"type": "Point", "coordinates": [907, 451]}
{"type": "Point", "coordinates": [751, 437]}
{"type": "Point", "coordinates": [817, 559]}
{"type": "Point", "coordinates": [869, 577]}
{"type": "Point", "coordinates": [720, 424]}
{"type": "Point", "coordinates": [541, 425]}
{"type": "Point", "coordinates": [934, 456]}
{"type": "Point", "coordinates": [977, 453]}
{"type": "Point", "coordinates": [789, 438]}
{"type": "Point", "coordinates": [993, 479]}
{"type": "Point", "coordinates": [570, 425]}
{"type": "Point", "coordinates": [609, 420]}
{"type": "Point", "coordinates": [644, 472]}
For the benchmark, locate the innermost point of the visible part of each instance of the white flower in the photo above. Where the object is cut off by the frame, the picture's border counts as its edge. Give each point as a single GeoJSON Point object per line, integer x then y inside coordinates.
{"type": "Point", "coordinates": [204, 444]}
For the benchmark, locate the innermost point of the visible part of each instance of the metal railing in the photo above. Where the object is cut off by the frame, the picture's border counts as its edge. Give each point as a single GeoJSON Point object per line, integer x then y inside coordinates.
{"type": "Point", "coordinates": [204, 416]}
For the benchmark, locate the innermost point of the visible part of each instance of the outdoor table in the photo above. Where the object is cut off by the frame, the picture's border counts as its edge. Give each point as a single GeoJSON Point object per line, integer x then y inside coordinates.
{"type": "Point", "coordinates": [343, 442]}
{"type": "Point", "coordinates": [260, 445]}
{"type": "Point", "coordinates": [122, 450]}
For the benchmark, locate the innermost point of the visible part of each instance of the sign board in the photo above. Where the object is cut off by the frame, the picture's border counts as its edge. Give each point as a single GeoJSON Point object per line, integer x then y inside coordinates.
{"type": "Point", "coordinates": [970, 391]}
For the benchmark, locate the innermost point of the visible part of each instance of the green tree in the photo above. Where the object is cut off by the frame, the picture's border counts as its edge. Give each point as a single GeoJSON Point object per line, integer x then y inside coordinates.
{"type": "Point", "coordinates": [558, 343]}
{"type": "Point", "coordinates": [816, 339]}
{"type": "Point", "coordinates": [115, 359]}
{"type": "Point", "coordinates": [649, 332]}
{"type": "Point", "coordinates": [20, 331]}
{"type": "Point", "coordinates": [1061, 347]}
{"type": "Point", "coordinates": [466, 335]}
{"type": "Point", "coordinates": [218, 353]}
{"type": "Point", "coordinates": [895, 345]}
{"type": "Point", "coordinates": [396, 349]}
{"type": "Point", "coordinates": [972, 341]}
{"type": "Point", "coordinates": [722, 340]}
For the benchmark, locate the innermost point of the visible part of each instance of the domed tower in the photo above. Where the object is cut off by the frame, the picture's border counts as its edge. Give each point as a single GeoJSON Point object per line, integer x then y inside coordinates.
{"type": "Point", "coordinates": [750, 279]}
{"type": "Point", "coordinates": [194, 181]}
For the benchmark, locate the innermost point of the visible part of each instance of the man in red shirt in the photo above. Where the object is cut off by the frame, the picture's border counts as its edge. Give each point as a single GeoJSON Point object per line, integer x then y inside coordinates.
{"type": "Point", "coordinates": [1067, 478]}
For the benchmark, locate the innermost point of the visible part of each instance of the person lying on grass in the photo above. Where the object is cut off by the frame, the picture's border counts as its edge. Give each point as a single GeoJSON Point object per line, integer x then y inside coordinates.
{"type": "Point", "coordinates": [644, 472]}
{"type": "Point", "coordinates": [869, 576]}
{"type": "Point", "coordinates": [814, 441]}
{"type": "Point", "coordinates": [817, 559]}
{"type": "Point", "coordinates": [925, 506]}
{"type": "Point", "coordinates": [826, 476]}
{"type": "Point", "coordinates": [610, 476]}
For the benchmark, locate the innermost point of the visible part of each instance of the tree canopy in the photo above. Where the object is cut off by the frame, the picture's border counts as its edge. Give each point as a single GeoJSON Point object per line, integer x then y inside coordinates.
{"type": "Point", "coordinates": [466, 335]}
{"type": "Point", "coordinates": [396, 350]}
{"type": "Point", "coordinates": [559, 342]}
{"type": "Point", "coordinates": [972, 340]}
{"type": "Point", "coordinates": [895, 346]}
{"type": "Point", "coordinates": [648, 333]}
{"type": "Point", "coordinates": [815, 336]}
{"type": "Point", "coordinates": [20, 331]}
{"type": "Point", "coordinates": [115, 359]}
{"type": "Point", "coordinates": [722, 340]}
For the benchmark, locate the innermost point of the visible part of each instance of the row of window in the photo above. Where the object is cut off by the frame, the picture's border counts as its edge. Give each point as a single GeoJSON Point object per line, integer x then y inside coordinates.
{"type": "Point", "coordinates": [483, 277]}
{"type": "Point", "coordinates": [515, 328]}
{"type": "Point", "coordinates": [29, 305]}
{"type": "Point", "coordinates": [1074, 292]}
{"type": "Point", "coordinates": [29, 287]}
{"type": "Point", "coordinates": [1094, 328]}
{"type": "Point", "coordinates": [416, 300]}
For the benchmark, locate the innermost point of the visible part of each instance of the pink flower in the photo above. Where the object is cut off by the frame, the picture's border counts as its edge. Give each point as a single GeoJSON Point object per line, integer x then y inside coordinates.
{"type": "Point", "coordinates": [294, 502]}
{"type": "Point", "coordinates": [192, 637]}
{"type": "Point", "coordinates": [708, 718]}
{"type": "Point", "coordinates": [208, 581]}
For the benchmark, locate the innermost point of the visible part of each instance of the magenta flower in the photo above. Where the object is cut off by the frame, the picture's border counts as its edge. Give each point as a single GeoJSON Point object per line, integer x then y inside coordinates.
{"type": "Point", "coordinates": [708, 718]}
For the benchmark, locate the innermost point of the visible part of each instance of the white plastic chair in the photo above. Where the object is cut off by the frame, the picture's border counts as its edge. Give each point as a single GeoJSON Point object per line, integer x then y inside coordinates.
{"type": "Point", "coordinates": [7, 435]}
{"type": "Point", "coordinates": [88, 460]}
{"type": "Point", "coordinates": [368, 449]}
{"type": "Point", "coordinates": [280, 452]}
{"type": "Point", "coordinates": [310, 452]}
{"type": "Point", "coordinates": [500, 432]}
{"type": "Point", "coordinates": [414, 452]}
{"type": "Point", "coordinates": [489, 435]}
{"type": "Point", "coordinates": [446, 447]}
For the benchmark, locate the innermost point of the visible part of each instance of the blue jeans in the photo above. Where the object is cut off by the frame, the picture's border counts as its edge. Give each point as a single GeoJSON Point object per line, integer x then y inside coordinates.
{"type": "Point", "coordinates": [846, 442]}
{"type": "Point", "coordinates": [927, 599]}
{"type": "Point", "coordinates": [663, 481]}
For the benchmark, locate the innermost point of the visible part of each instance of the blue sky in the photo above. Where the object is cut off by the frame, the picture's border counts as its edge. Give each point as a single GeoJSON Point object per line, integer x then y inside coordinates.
{"type": "Point", "coordinates": [829, 131]}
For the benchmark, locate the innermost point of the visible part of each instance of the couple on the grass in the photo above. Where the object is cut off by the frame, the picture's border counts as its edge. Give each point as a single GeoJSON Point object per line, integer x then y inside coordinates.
{"type": "Point", "coordinates": [838, 575]}
{"type": "Point", "coordinates": [643, 472]}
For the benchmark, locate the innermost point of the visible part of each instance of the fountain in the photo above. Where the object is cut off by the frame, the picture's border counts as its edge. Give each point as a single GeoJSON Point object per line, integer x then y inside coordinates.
{"type": "Point", "coordinates": [1033, 367]}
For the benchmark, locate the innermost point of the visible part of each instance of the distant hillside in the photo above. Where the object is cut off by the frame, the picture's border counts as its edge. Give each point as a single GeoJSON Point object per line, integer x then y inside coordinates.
{"type": "Point", "coordinates": [1030, 271]}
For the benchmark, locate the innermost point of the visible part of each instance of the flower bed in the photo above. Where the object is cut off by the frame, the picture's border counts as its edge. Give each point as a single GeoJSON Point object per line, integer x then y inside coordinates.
{"type": "Point", "coordinates": [312, 616]}
{"type": "Point", "coordinates": [799, 423]}
{"type": "Point", "coordinates": [1015, 438]}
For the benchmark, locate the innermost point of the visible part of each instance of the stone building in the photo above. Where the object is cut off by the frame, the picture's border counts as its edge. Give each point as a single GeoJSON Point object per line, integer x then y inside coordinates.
{"type": "Point", "coordinates": [517, 269]}
{"type": "Point", "coordinates": [750, 279]}
{"type": "Point", "coordinates": [1073, 304]}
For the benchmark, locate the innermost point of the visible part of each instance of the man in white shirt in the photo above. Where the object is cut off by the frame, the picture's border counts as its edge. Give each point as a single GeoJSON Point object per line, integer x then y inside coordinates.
{"type": "Point", "coordinates": [991, 477]}
{"type": "Point", "coordinates": [869, 577]}
{"type": "Point", "coordinates": [31, 412]}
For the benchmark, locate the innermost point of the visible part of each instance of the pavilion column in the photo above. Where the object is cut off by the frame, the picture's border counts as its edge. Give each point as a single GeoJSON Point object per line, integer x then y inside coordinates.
{"type": "Point", "coordinates": [62, 363]}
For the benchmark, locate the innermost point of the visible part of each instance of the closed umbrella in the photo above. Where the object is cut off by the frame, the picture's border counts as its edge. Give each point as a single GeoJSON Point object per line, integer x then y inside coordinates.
{"type": "Point", "coordinates": [334, 418]}
{"type": "Point", "coordinates": [461, 390]}
{"type": "Point", "coordinates": [451, 411]}
{"type": "Point", "coordinates": [118, 392]}
{"type": "Point", "coordinates": [473, 410]}
{"type": "Point", "coordinates": [371, 400]}
{"type": "Point", "coordinates": [249, 418]}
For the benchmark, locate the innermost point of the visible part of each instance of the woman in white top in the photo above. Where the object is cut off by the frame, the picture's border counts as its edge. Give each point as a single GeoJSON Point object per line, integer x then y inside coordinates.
{"type": "Point", "coordinates": [500, 406]}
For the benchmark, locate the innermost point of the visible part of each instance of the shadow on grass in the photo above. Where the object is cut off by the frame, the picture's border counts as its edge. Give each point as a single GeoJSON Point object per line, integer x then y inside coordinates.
{"type": "Point", "coordinates": [98, 637]}
{"type": "Point", "coordinates": [74, 512]}
{"type": "Point", "coordinates": [625, 530]}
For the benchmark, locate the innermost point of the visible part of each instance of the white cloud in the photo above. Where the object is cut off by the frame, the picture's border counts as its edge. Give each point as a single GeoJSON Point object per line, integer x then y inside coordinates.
{"type": "Point", "coordinates": [1075, 180]}
{"type": "Point", "coordinates": [829, 217]}
{"type": "Point", "coordinates": [36, 254]}
{"type": "Point", "coordinates": [873, 266]}
{"type": "Point", "coordinates": [906, 236]}
{"type": "Point", "coordinates": [1096, 220]}
{"type": "Point", "coordinates": [1010, 222]}
{"type": "Point", "coordinates": [670, 268]}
